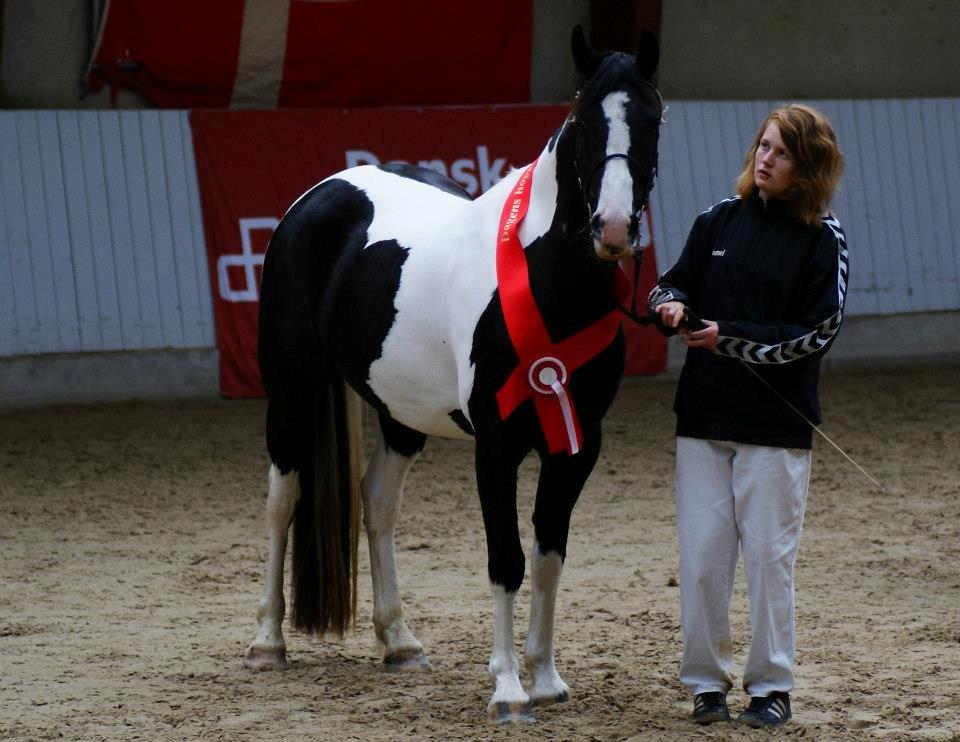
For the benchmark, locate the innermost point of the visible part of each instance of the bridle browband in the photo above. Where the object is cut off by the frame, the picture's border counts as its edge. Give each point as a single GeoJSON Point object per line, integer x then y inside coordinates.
{"type": "Point", "coordinates": [585, 186]}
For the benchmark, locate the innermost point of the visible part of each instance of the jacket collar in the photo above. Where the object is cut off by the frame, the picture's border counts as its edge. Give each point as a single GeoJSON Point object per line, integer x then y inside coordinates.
{"type": "Point", "coordinates": [772, 206]}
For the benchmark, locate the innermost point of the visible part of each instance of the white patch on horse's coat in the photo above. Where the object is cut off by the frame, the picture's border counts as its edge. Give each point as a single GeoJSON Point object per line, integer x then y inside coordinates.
{"type": "Point", "coordinates": [446, 282]}
{"type": "Point", "coordinates": [546, 683]}
{"type": "Point", "coordinates": [615, 202]}
{"type": "Point", "coordinates": [543, 200]}
{"type": "Point", "coordinates": [382, 492]}
{"type": "Point", "coordinates": [282, 497]}
{"type": "Point", "coordinates": [504, 668]}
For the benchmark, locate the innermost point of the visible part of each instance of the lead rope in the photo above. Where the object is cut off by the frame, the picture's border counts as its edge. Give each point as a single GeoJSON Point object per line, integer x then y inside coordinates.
{"type": "Point", "coordinates": [631, 313]}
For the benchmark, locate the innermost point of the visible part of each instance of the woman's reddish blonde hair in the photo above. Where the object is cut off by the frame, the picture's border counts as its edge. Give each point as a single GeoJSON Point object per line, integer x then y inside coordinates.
{"type": "Point", "coordinates": [817, 160]}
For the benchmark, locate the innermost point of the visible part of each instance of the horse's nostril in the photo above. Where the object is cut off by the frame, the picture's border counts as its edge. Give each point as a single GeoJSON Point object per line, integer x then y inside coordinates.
{"type": "Point", "coordinates": [596, 227]}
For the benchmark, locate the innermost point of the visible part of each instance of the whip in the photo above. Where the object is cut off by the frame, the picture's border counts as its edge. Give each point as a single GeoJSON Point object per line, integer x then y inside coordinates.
{"type": "Point", "coordinates": [695, 323]}
{"type": "Point", "coordinates": [815, 427]}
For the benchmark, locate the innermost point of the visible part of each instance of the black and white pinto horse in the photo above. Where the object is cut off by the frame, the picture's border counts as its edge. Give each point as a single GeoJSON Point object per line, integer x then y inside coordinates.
{"type": "Point", "coordinates": [382, 282]}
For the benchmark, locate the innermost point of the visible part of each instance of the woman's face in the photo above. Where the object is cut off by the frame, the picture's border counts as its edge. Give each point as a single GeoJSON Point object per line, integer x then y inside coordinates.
{"type": "Point", "coordinates": [773, 164]}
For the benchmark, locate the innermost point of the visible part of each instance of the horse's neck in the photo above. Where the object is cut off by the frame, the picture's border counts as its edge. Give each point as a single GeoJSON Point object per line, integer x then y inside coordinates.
{"type": "Point", "coordinates": [564, 272]}
{"type": "Point", "coordinates": [543, 199]}
{"type": "Point", "coordinates": [555, 200]}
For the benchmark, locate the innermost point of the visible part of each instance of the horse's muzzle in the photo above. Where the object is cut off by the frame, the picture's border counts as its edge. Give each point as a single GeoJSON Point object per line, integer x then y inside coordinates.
{"type": "Point", "coordinates": [615, 237]}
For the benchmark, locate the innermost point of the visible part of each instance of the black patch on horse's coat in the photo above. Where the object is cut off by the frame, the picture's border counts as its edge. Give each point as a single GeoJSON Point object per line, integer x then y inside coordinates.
{"type": "Point", "coordinates": [302, 261]}
{"type": "Point", "coordinates": [316, 265]}
{"type": "Point", "coordinates": [356, 338]}
{"type": "Point", "coordinates": [399, 438]}
{"type": "Point", "coordinates": [461, 420]}
{"type": "Point", "coordinates": [426, 175]}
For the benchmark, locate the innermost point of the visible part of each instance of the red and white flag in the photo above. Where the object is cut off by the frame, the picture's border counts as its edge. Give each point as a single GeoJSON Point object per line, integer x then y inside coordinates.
{"type": "Point", "coordinates": [315, 53]}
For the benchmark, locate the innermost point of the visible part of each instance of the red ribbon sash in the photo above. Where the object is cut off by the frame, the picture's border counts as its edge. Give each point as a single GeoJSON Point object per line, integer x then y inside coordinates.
{"type": "Point", "coordinates": [545, 367]}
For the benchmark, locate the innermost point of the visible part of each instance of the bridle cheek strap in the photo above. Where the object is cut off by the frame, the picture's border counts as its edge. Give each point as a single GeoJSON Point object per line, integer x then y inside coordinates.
{"type": "Point", "coordinates": [545, 368]}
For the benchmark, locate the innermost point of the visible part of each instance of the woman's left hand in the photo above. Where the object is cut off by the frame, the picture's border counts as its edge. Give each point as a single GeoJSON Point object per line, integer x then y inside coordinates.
{"type": "Point", "coordinates": [704, 338]}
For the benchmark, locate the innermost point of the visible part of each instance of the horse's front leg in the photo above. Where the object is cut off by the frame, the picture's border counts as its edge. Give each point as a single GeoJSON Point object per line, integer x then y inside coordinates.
{"type": "Point", "coordinates": [396, 449]}
{"type": "Point", "coordinates": [497, 485]}
{"type": "Point", "coordinates": [268, 650]}
{"type": "Point", "coordinates": [561, 479]}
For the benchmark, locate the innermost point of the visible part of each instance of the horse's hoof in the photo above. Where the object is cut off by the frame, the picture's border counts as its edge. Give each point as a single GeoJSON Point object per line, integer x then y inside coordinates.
{"type": "Point", "coordinates": [561, 697]}
{"type": "Point", "coordinates": [409, 660]}
{"type": "Point", "coordinates": [505, 712]}
{"type": "Point", "coordinates": [262, 658]}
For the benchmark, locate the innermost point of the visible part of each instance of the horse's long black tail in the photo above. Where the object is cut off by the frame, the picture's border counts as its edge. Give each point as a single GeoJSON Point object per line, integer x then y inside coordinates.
{"type": "Point", "coordinates": [314, 427]}
{"type": "Point", "coordinates": [326, 522]}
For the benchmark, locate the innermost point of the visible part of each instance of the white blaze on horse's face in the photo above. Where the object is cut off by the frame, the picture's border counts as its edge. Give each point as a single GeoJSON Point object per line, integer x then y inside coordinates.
{"type": "Point", "coordinates": [613, 218]}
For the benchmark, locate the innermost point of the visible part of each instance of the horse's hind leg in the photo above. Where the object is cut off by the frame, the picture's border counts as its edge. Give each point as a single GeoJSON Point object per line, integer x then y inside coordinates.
{"type": "Point", "coordinates": [268, 649]}
{"type": "Point", "coordinates": [396, 449]}
{"type": "Point", "coordinates": [561, 479]}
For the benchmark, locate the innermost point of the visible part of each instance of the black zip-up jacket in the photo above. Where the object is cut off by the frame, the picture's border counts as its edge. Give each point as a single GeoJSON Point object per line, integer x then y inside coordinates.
{"type": "Point", "coordinates": [776, 289]}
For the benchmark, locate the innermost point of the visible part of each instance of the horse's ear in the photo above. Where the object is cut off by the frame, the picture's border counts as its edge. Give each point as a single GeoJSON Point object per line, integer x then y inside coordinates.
{"type": "Point", "coordinates": [585, 58]}
{"type": "Point", "coordinates": [648, 54]}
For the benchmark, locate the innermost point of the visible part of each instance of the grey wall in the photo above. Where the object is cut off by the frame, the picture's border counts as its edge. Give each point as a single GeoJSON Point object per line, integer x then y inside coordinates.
{"type": "Point", "coordinates": [44, 53]}
{"type": "Point", "coordinates": [785, 49]}
{"type": "Point", "coordinates": [552, 74]}
{"type": "Point", "coordinates": [101, 237]}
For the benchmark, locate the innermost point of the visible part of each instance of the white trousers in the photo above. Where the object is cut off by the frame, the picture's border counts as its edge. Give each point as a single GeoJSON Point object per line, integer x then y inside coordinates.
{"type": "Point", "coordinates": [735, 497]}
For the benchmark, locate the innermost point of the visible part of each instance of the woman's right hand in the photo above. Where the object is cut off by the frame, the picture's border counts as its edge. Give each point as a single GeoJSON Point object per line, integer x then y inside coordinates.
{"type": "Point", "coordinates": [671, 313]}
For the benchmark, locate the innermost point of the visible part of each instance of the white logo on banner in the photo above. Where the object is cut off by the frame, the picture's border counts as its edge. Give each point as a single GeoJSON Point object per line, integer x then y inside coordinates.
{"type": "Point", "coordinates": [476, 176]}
{"type": "Point", "coordinates": [247, 259]}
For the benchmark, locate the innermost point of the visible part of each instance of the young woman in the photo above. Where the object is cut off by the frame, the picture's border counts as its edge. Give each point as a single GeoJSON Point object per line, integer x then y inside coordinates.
{"type": "Point", "coordinates": [767, 273]}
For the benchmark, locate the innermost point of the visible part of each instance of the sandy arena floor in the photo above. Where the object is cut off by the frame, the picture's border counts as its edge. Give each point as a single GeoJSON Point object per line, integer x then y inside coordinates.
{"type": "Point", "coordinates": [132, 546]}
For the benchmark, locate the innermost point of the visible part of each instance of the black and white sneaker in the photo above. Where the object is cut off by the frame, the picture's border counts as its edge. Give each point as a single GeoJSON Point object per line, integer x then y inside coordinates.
{"type": "Point", "coordinates": [710, 707]}
{"type": "Point", "coordinates": [767, 711]}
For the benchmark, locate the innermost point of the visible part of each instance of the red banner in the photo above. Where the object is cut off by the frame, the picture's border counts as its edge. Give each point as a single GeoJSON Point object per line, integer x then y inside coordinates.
{"type": "Point", "coordinates": [315, 53]}
{"type": "Point", "coordinates": [253, 164]}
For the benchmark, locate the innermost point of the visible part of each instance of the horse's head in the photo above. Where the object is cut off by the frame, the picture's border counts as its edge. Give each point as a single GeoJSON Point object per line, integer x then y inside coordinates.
{"type": "Point", "coordinates": [615, 125]}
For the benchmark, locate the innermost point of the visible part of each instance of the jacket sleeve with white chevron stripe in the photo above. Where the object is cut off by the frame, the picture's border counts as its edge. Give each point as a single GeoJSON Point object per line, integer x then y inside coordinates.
{"type": "Point", "coordinates": [819, 317]}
